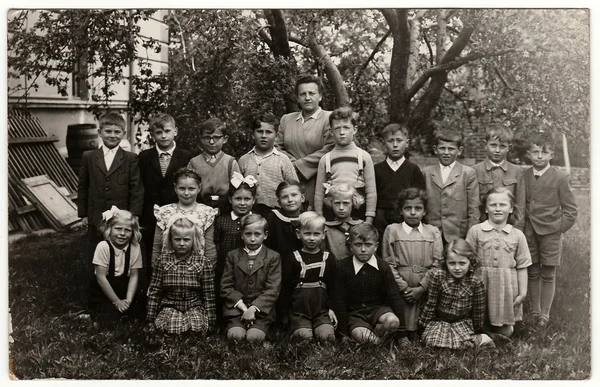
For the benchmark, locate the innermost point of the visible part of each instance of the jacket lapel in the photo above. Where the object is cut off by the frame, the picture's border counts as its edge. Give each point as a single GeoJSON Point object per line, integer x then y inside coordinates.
{"type": "Point", "coordinates": [118, 160]}
{"type": "Point", "coordinates": [454, 174]}
{"type": "Point", "coordinates": [259, 261]}
{"type": "Point", "coordinates": [242, 262]}
{"type": "Point", "coordinates": [99, 160]}
{"type": "Point", "coordinates": [155, 162]}
{"type": "Point", "coordinates": [173, 162]}
{"type": "Point", "coordinates": [436, 176]}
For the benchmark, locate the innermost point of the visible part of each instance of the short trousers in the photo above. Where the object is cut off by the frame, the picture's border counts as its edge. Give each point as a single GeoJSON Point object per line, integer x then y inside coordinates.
{"type": "Point", "coordinates": [366, 317]}
{"type": "Point", "coordinates": [261, 323]}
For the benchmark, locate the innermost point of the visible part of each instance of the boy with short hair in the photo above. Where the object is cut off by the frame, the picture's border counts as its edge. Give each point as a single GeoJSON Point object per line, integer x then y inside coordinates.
{"type": "Point", "coordinates": [213, 165]}
{"type": "Point", "coordinates": [308, 282]}
{"type": "Point", "coordinates": [495, 171]}
{"type": "Point", "coordinates": [348, 164]}
{"type": "Point", "coordinates": [393, 175]}
{"type": "Point", "coordinates": [109, 176]}
{"type": "Point", "coordinates": [551, 211]}
{"type": "Point", "coordinates": [157, 167]}
{"type": "Point", "coordinates": [268, 165]}
{"type": "Point", "coordinates": [367, 302]}
{"type": "Point", "coordinates": [452, 189]}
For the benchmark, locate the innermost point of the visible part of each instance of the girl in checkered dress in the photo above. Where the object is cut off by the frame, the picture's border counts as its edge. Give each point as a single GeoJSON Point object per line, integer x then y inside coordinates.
{"type": "Point", "coordinates": [181, 295]}
{"type": "Point", "coordinates": [454, 312]}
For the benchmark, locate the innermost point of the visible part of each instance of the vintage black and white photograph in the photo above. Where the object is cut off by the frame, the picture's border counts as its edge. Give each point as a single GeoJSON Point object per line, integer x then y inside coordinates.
{"type": "Point", "coordinates": [298, 194]}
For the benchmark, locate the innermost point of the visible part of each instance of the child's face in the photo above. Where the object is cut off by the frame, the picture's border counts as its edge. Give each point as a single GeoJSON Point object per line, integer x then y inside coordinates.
{"type": "Point", "coordinates": [164, 137]}
{"type": "Point", "coordinates": [213, 143]}
{"type": "Point", "coordinates": [540, 157]}
{"type": "Point", "coordinates": [111, 135]}
{"type": "Point", "coordinates": [290, 200]}
{"type": "Point", "coordinates": [497, 150]}
{"type": "Point", "coordinates": [182, 240]}
{"type": "Point", "coordinates": [447, 152]}
{"type": "Point", "coordinates": [253, 236]}
{"type": "Point", "coordinates": [342, 206]}
{"type": "Point", "coordinates": [457, 265]}
{"type": "Point", "coordinates": [343, 132]}
{"type": "Point", "coordinates": [241, 202]}
{"type": "Point", "coordinates": [187, 190]}
{"type": "Point", "coordinates": [363, 250]}
{"type": "Point", "coordinates": [395, 145]}
{"type": "Point", "coordinates": [498, 207]}
{"type": "Point", "coordinates": [311, 237]}
{"type": "Point", "coordinates": [120, 233]}
{"type": "Point", "coordinates": [308, 97]}
{"type": "Point", "coordinates": [264, 137]}
{"type": "Point", "coordinates": [413, 211]}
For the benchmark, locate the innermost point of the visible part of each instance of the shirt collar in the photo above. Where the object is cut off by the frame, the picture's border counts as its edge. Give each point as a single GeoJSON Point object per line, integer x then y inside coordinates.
{"type": "Point", "coordinates": [274, 151]}
{"type": "Point", "coordinates": [487, 226]}
{"type": "Point", "coordinates": [315, 115]}
{"type": "Point", "coordinates": [252, 253]}
{"type": "Point", "coordinates": [169, 151]}
{"type": "Point", "coordinates": [408, 228]}
{"type": "Point", "coordinates": [540, 173]}
{"type": "Point", "coordinates": [358, 265]}
{"type": "Point", "coordinates": [489, 164]}
{"type": "Point", "coordinates": [208, 157]}
{"type": "Point", "coordinates": [351, 222]}
{"type": "Point", "coordinates": [106, 151]}
{"type": "Point", "coordinates": [118, 250]}
{"type": "Point", "coordinates": [235, 217]}
{"type": "Point", "coordinates": [451, 166]}
{"type": "Point", "coordinates": [399, 161]}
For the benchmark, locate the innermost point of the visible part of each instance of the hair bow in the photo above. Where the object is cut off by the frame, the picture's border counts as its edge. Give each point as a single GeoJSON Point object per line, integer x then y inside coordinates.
{"type": "Point", "coordinates": [108, 214]}
{"type": "Point", "coordinates": [327, 187]}
{"type": "Point", "coordinates": [178, 215]}
{"type": "Point", "coordinates": [238, 179]}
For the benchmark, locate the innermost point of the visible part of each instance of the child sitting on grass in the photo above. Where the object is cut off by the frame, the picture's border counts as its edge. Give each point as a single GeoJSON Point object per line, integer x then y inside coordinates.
{"type": "Point", "coordinates": [312, 280]}
{"type": "Point", "coordinates": [455, 309]}
{"type": "Point", "coordinates": [367, 302]}
{"type": "Point", "coordinates": [181, 295]}
{"type": "Point", "coordinates": [342, 199]}
{"type": "Point", "coordinates": [250, 284]}
{"type": "Point", "coordinates": [117, 262]}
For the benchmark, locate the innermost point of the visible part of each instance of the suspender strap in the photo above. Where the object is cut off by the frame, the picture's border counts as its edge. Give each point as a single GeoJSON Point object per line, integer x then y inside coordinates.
{"type": "Point", "coordinates": [359, 156]}
{"type": "Point", "coordinates": [302, 264]}
{"type": "Point", "coordinates": [323, 264]}
{"type": "Point", "coordinates": [312, 285]}
{"type": "Point", "coordinates": [111, 261]}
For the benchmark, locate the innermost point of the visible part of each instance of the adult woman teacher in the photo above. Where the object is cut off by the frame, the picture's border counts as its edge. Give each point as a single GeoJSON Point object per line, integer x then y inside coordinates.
{"type": "Point", "coordinates": [304, 136]}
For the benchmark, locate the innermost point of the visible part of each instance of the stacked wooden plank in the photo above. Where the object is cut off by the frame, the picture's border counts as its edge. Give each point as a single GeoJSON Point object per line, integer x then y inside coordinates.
{"type": "Point", "coordinates": [31, 153]}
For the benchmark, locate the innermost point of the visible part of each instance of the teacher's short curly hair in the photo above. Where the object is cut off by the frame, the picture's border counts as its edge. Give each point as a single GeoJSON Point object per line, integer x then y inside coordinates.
{"type": "Point", "coordinates": [462, 248]}
{"type": "Point", "coordinates": [308, 78]}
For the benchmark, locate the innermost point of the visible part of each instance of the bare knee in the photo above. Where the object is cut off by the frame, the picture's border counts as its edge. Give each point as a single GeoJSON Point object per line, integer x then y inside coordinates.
{"type": "Point", "coordinates": [363, 335]}
{"type": "Point", "coordinates": [303, 333]}
{"type": "Point", "coordinates": [236, 333]}
{"type": "Point", "coordinates": [389, 321]}
{"type": "Point", "coordinates": [325, 332]}
{"type": "Point", "coordinates": [255, 335]}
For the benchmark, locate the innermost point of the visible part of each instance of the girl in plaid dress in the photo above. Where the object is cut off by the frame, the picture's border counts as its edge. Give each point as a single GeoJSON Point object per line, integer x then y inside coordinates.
{"type": "Point", "coordinates": [181, 295]}
{"type": "Point", "coordinates": [454, 312]}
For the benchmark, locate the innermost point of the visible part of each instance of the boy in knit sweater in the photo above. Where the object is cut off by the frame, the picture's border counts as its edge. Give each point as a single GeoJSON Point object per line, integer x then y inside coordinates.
{"type": "Point", "coordinates": [346, 164]}
{"type": "Point", "coordinates": [213, 165]}
{"type": "Point", "coordinates": [393, 175]}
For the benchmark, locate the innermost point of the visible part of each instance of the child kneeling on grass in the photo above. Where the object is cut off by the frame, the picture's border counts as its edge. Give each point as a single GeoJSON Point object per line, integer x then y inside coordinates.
{"type": "Point", "coordinates": [454, 313]}
{"type": "Point", "coordinates": [117, 262]}
{"type": "Point", "coordinates": [250, 284]}
{"type": "Point", "coordinates": [312, 275]}
{"type": "Point", "coordinates": [367, 302]}
{"type": "Point", "coordinates": [181, 295]}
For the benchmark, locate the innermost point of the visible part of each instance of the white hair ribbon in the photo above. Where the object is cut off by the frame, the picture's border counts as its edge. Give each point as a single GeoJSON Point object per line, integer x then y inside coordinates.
{"type": "Point", "coordinates": [327, 187]}
{"type": "Point", "coordinates": [108, 214]}
{"type": "Point", "coordinates": [238, 179]}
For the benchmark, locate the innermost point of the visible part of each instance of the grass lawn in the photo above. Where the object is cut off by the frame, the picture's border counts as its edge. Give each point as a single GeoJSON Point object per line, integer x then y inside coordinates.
{"type": "Point", "coordinates": [50, 341]}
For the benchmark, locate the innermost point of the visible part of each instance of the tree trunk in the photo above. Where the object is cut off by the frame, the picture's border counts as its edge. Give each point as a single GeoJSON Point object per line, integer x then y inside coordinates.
{"type": "Point", "coordinates": [331, 70]}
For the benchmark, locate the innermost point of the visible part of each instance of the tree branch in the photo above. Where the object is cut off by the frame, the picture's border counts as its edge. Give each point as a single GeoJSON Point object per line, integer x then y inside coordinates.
{"type": "Point", "coordinates": [451, 66]}
{"type": "Point", "coordinates": [373, 53]}
{"type": "Point", "coordinates": [262, 32]}
{"type": "Point", "coordinates": [440, 41]}
{"type": "Point", "coordinates": [431, 60]}
{"type": "Point", "coordinates": [172, 14]}
{"type": "Point", "coordinates": [296, 39]}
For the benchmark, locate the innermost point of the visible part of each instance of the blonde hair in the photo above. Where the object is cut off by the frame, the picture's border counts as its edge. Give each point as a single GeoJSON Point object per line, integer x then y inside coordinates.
{"type": "Point", "coordinates": [310, 220]}
{"type": "Point", "coordinates": [343, 189]}
{"type": "Point", "coordinates": [183, 223]}
{"type": "Point", "coordinates": [462, 248]}
{"type": "Point", "coordinates": [124, 216]}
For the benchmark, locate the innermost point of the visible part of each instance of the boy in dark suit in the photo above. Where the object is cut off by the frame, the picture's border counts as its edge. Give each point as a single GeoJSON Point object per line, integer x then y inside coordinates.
{"type": "Point", "coordinates": [157, 167]}
{"type": "Point", "coordinates": [550, 211]}
{"type": "Point", "coordinates": [109, 176]}
{"type": "Point", "coordinates": [452, 189]}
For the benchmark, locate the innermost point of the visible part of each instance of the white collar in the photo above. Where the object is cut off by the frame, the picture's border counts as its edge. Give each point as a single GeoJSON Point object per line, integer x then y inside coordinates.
{"type": "Point", "coordinates": [408, 228]}
{"type": "Point", "coordinates": [274, 151]}
{"type": "Point", "coordinates": [118, 251]}
{"type": "Point", "coordinates": [540, 173]}
{"type": "Point", "coordinates": [208, 157]}
{"type": "Point", "coordinates": [449, 166]}
{"type": "Point", "coordinates": [169, 151]}
{"type": "Point", "coordinates": [488, 226]}
{"type": "Point", "coordinates": [235, 217]}
{"type": "Point", "coordinates": [315, 115]}
{"type": "Point", "coordinates": [252, 253]}
{"type": "Point", "coordinates": [106, 151]}
{"type": "Point", "coordinates": [358, 264]}
{"type": "Point", "coordinates": [400, 161]}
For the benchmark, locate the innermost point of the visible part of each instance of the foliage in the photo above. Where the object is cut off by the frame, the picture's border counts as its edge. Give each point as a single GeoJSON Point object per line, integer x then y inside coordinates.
{"type": "Point", "coordinates": [50, 341]}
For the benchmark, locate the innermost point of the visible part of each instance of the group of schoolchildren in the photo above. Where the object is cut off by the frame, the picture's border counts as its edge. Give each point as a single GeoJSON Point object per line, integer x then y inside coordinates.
{"type": "Point", "coordinates": [445, 255]}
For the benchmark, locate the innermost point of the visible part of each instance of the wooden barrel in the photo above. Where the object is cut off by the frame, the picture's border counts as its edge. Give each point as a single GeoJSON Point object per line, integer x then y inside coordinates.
{"type": "Point", "coordinates": [80, 138]}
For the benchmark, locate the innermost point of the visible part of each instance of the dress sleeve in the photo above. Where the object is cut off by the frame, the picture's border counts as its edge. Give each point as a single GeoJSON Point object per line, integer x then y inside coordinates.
{"type": "Point", "coordinates": [436, 256]}
{"type": "Point", "coordinates": [208, 287]}
{"type": "Point", "coordinates": [136, 257]}
{"type": "Point", "coordinates": [433, 295]}
{"type": "Point", "coordinates": [478, 311]}
{"type": "Point", "coordinates": [154, 292]}
{"type": "Point", "coordinates": [522, 254]}
{"type": "Point", "coordinates": [388, 253]}
{"type": "Point", "coordinates": [101, 254]}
